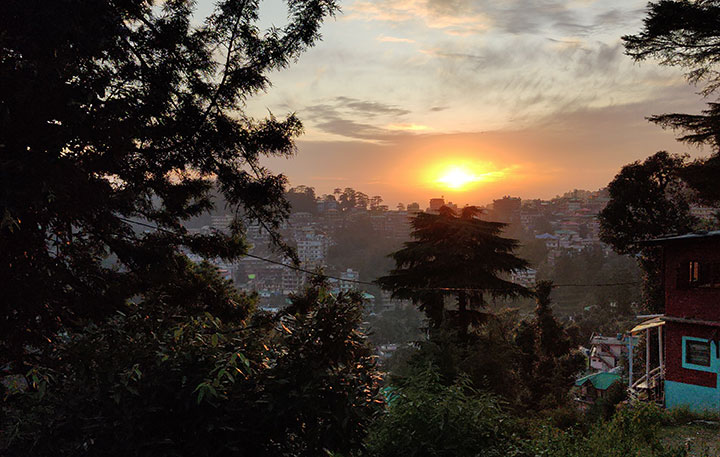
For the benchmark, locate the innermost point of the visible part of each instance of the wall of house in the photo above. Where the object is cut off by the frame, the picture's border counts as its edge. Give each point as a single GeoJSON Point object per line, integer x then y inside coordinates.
{"type": "Point", "coordinates": [674, 370]}
{"type": "Point", "coordinates": [695, 398]}
{"type": "Point", "coordinates": [686, 385]}
{"type": "Point", "coordinates": [694, 388]}
{"type": "Point", "coordinates": [698, 302]}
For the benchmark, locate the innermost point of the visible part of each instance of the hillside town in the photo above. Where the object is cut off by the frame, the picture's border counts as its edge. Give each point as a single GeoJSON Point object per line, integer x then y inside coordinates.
{"type": "Point", "coordinates": [565, 224]}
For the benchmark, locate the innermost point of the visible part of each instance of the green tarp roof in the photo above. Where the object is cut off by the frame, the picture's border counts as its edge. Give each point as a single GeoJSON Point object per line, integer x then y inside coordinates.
{"type": "Point", "coordinates": [600, 381]}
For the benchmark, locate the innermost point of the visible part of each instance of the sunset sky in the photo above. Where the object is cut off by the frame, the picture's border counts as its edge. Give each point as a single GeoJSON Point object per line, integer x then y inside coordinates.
{"type": "Point", "coordinates": [534, 98]}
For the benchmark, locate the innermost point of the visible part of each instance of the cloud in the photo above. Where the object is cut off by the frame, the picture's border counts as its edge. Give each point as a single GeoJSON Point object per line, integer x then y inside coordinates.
{"type": "Point", "coordinates": [408, 127]}
{"type": "Point", "coordinates": [370, 108]}
{"type": "Point", "coordinates": [523, 17]}
{"type": "Point", "coordinates": [392, 39]}
{"type": "Point", "coordinates": [352, 129]}
{"type": "Point", "coordinates": [360, 119]}
{"type": "Point", "coordinates": [431, 14]}
{"type": "Point", "coordinates": [517, 17]}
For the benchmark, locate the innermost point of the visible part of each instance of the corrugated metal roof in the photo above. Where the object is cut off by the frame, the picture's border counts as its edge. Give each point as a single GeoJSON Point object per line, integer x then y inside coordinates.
{"type": "Point", "coordinates": [684, 237]}
{"type": "Point", "coordinates": [601, 381]}
{"type": "Point", "coordinates": [650, 323]}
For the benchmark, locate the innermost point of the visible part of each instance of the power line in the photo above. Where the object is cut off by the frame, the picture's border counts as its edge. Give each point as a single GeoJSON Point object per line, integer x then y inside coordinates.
{"type": "Point", "coordinates": [356, 281]}
{"type": "Point", "coordinates": [310, 272]}
{"type": "Point", "coordinates": [605, 284]}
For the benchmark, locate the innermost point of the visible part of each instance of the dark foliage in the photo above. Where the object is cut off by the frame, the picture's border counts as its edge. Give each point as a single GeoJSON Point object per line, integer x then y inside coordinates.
{"type": "Point", "coordinates": [454, 252]}
{"type": "Point", "coordinates": [593, 265]}
{"type": "Point", "coordinates": [302, 199]}
{"type": "Point", "coordinates": [359, 246]}
{"type": "Point", "coordinates": [530, 364]}
{"type": "Point", "coordinates": [399, 326]}
{"type": "Point", "coordinates": [125, 109]}
{"type": "Point", "coordinates": [681, 33]}
{"type": "Point", "coordinates": [144, 384]}
{"type": "Point", "coordinates": [647, 200]}
{"type": "Point", "coordinates": [686, 34]}
{"type": "Point", "coordinates": [702, 176]}
{"type": "Point", "coordinates": [549, 361]}
{"type": "Point", "coordinates": [427, 418]}
{"type": "Point", "coordinates": [349, 199]}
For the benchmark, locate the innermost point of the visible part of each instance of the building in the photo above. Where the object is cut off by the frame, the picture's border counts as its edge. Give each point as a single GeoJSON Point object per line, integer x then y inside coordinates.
{"type": "Point", "coordinates": [606, 352]}
{"type": "Point", "coordinates": [221, 223]}
{"type": "Point", "coordinates": [594, 386]}
{"type": "Point", "coordinates": [690, 356]}
{"type": "Point", "coordinates": [507, 209]}
{"type": "Point", "coordinates": [349, 279]}
{"type": "Point", "coordinates": [312, 247]}
{"type": "Point", "coordinates": [436, 204]}
{"type": "Point", "coordinates": [704, 213]}
{"type": "Point", "coordinates": [551, 241]}
{"type": "Point", "coordinates": [525, 277]}
{"type": "Point", "coordinates": [413, 207]}
{"type": "Point", "coordinates": [390, 304]}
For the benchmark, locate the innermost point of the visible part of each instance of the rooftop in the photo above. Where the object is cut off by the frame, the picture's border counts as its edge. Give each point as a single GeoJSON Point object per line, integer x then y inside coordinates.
{"type": "Point", "coordinates": [601, 381]}
{"type": "Point", "coordinates": [685, 237]}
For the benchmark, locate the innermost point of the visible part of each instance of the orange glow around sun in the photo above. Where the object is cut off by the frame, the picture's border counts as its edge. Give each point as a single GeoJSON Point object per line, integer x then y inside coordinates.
{"type": "Point", "coordinates": [464, 175]}
{"type": "Point", "coordinates": [456, 177]}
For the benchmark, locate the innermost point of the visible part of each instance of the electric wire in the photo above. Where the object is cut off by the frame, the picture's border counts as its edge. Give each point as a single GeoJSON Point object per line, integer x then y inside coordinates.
{"type": "Point", "coordinates": [357, 281]}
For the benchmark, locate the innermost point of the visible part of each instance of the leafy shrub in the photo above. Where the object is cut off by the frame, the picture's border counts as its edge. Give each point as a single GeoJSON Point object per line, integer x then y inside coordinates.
{"type": "Point", "coordinates": [296, 384]}
{"type": "Point", "coordinates": [566, 417]}
{"type": "Point", "coordinates": [633, 431]}
{"type": "Point", "coordinates": [428, 418]}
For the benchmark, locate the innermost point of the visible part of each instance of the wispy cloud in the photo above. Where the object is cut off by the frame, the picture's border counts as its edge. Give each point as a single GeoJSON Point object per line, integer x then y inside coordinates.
{"type": "Point", "coordinates": [361, 119]}
{"type": "Point", "coordinates": [369, 107]}
{"type": "Point", "coordinates": [429, 13]}
{"type": "Point", "coordinates": [408, 127]}
{"type": "Point", "coordinates": [392, 39]}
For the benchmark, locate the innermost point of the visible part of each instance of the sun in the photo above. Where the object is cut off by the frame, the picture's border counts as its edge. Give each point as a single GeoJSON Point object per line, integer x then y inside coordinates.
{"type": "Point", "coordinates": [457, 177]}
{"type": "Point", "coordinates": [462, 175]}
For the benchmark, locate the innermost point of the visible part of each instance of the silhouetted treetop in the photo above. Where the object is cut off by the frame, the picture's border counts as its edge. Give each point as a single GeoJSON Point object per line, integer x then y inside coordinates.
{"type": "Point", "coordinates": [647, 199]}
{"type": "Point", "coordinates": [127, 109]}
{"type": "Point", "coordinates": [685, 34]}
{"type": "Point", "coordinates": [454, 252]}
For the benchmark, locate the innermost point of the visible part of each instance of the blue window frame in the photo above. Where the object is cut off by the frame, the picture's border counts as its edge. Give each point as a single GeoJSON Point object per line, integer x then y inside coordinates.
{"type": "Point", "coordinates": [697, 354]}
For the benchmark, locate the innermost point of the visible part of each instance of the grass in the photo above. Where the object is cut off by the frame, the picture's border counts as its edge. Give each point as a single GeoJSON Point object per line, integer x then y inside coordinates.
{"type": "Point", "coordinates": [700, 440]}
{"type": "Point", "coordinates": [698, 433]}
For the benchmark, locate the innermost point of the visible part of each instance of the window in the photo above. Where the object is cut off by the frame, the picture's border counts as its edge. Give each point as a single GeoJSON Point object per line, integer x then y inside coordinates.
{"type": "Point", "coordinates": [694, 277]}
{"type": "Point", "coordinates": [697, 352]}
{"type": "Point", "coordinates": [698, 274]}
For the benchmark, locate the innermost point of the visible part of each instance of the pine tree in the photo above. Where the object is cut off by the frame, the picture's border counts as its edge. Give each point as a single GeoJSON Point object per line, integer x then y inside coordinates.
{"type": "Point", "coordinates": [117, 111]}
{"type": "Point", "coordinates": [549, 362]}
{"type": "Point", "coordinates": [455, 257]}
{"type": "Point", "coordinates": [686, 34]}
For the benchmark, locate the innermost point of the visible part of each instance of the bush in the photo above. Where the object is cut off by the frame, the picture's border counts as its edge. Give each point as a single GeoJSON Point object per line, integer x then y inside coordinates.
{"type": "Point", "coordinates": [633, 431]}
{"type": "Point", "coordinates": [431, 419]}
{"type": "Point", "coordinates": [566, 417]}
{"type": "Point", "coordinates": [293, 385]}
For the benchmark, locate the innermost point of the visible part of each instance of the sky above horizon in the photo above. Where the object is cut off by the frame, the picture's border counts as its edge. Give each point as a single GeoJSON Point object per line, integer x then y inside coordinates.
{"type": "Point", "coordinates": [534, 98]}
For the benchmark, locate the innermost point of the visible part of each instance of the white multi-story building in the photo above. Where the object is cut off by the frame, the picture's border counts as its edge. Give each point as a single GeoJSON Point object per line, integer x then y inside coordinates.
{"type": "Point", "coordinates": [312, 247]}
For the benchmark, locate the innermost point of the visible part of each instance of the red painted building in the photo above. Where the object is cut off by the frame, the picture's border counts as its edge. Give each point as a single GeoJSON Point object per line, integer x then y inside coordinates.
{"type": "Point", "coordinates": [691, 265]}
